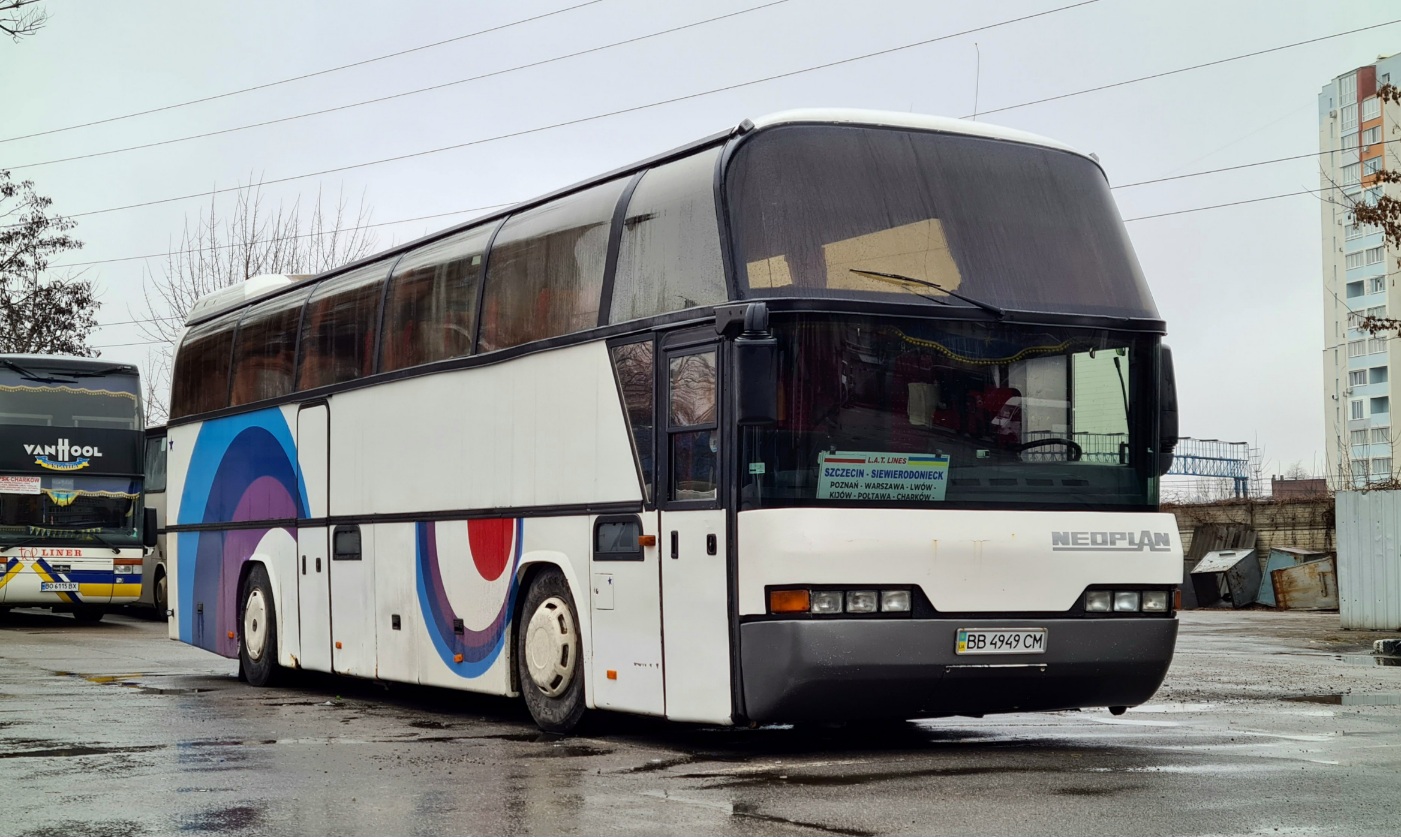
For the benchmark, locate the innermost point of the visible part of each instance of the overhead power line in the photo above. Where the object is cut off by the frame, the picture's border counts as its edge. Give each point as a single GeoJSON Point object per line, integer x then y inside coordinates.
{"type": "Point", "coordinates": [673, 100]}
{"type": "Point", "coordinates": [1193, 67]}
{"type": "Point", "coordinates": [394, 96]}
{"type": "Point", "coordinates": [172, 253]}
{"type": "Point", "coordinates": [1221, 205]}
{"type": "Point", "coordinates": [304, 76]}
{"type": "Point", "coordinates": [594, 117]}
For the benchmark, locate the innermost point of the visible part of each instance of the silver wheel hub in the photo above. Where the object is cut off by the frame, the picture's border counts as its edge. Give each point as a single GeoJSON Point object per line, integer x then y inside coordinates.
{"type": "Point", "coordinates": [551, 647]}
{"type": "Point", "coordinates": [255, 625]}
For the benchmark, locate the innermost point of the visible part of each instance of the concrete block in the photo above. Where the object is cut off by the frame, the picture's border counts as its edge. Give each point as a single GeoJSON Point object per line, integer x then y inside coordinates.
{"type": "Point", "coordinates": [1389, 647]}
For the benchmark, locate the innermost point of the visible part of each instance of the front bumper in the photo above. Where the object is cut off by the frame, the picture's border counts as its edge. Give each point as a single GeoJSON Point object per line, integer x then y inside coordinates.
{"type": "Point", "coordinates": [852, 669]}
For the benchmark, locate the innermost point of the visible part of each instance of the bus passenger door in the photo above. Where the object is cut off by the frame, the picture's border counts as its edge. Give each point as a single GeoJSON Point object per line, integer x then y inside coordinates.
{"type": "Point", "coordinates": [693, 540]}
{"type": "Point", "coordinates": [313, 559]}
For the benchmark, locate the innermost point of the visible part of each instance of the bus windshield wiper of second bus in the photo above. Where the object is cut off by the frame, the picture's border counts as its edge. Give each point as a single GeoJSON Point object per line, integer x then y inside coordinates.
{"type": "Point", "coordinates": [17, 544]}
{"type": "Point", "coordinates": [30, 375]}
{"type": "Point", "coordinates": [895, 277]}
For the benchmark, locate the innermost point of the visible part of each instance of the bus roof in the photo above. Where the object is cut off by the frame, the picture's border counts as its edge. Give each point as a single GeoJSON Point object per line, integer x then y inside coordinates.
{"type": "Point", "coordinates": [238, 296]}
{"type": "Point", "coordinates": [234, 296]}
{"type": "Point", "coordinates": [916, 121]}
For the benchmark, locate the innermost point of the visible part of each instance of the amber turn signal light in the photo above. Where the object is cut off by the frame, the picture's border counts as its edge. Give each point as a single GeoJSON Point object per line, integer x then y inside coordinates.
{"type": "Point", "coordinates": [789, 601]}
{"type": "Point", "coordinates": [646, 540]}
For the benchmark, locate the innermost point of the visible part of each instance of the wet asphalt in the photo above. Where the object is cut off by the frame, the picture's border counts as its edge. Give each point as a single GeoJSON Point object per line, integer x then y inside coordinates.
{"type": "Point", "coordinates": [1269, 723]}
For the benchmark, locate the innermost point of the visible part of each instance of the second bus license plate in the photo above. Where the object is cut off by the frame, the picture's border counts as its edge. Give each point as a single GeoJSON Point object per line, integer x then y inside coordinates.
{"type": "Point", "coordinates": [58, 587]}
{"type": "Point", "coordinates": [1001, 641]}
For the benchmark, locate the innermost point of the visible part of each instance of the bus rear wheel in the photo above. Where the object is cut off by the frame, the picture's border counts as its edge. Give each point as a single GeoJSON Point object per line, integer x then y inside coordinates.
{"type": "Point", "coordinates": [257, 629]}
{"type": "Point", "coordinates": [158, 597]}
{"type": "Point", "coordinates": [548, 654]}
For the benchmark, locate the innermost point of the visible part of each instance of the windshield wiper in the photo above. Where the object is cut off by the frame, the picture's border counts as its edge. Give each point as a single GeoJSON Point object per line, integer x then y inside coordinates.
{"type": "Point", "coordinates": [99, 373]}
{"type": "Point", "coordinates": [17, 544]}
{"type": "Point", "coordinates": [33, 376]}
{"type": "Point", "coordinates": [895, 277]}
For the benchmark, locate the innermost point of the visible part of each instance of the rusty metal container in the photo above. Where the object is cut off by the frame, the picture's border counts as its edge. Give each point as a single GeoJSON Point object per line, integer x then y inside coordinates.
{"type": "Point", "coordinates": [1281, 557]}
{"type": "Point", "coordinates": [1312, 585]}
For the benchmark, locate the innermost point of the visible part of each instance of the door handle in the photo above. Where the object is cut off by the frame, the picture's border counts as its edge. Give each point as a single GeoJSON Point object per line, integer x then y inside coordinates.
{"type": "Point", "coordinates": [303, 565]}
{"type": "Point", "coordinates": [711, 545]}
{"type": "Point", "coordinates": [675, 544]}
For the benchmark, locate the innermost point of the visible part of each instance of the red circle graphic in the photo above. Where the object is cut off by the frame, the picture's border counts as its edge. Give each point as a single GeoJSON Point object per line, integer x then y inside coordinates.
{"type": "Point", "coordinates": [490, 541]}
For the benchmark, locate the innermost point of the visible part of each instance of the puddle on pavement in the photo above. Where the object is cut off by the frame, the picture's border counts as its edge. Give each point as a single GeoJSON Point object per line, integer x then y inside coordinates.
{"type": "Point", "coordinates": [1369, 660]}
{"type": "Point", "coordinates": [1350, 700]}
{"type": "Point", "coordinates": [132, 681]}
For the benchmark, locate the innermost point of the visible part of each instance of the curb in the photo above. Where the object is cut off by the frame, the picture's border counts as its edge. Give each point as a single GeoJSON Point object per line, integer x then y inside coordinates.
{"type": "Point", "coordinates": [1388, 647]}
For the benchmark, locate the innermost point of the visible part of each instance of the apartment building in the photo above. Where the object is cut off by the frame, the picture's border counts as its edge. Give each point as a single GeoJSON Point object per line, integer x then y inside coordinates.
{"type": "Point", "coordinates": [1358, 136]}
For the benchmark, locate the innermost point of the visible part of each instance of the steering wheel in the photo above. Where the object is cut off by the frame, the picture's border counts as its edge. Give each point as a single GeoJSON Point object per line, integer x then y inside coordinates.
{"type": "Point", "coordinates": [1073, 448]}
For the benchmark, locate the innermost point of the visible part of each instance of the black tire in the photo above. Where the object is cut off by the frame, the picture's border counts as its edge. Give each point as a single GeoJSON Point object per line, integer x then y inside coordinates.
{"type": "Point", "coordinates": [89, 615]}
{"type": "Point", "coordinates": [549, 654]}
{"type": "Point", "coordinates": [159, 596]}
{"type": "Point", "coordinates": [257, 630]}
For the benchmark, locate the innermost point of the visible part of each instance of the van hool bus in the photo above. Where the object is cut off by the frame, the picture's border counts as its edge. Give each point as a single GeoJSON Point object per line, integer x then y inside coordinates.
{"type": "Point", "coordinates": [72, 527]}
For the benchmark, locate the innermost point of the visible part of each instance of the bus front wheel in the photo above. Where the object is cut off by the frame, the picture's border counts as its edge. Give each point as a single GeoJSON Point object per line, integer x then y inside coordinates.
{"type": "Point", "coordinates": [548, 654]}
{"type": "Point", "coordinates": [257, 621]}
{"type": "Point", "coordinates": [88, 615]}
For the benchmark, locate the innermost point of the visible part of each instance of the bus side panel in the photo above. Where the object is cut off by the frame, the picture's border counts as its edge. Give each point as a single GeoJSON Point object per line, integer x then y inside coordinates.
{"type": "Point", "coordinates": [542, 430]}
{"type": "Point", "coordinates": [465, 587]}
{"type": "Point", "coordinates": [400, 633]}
{"type": "Point", "coordinates": [353, 604]}
{"type": "Point", "coordinates": [239, 470]}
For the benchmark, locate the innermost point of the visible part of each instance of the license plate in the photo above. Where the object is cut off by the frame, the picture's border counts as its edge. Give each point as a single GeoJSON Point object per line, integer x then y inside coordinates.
{"type": "Point", "coordinates": [57, 587]}
{"type": "Point", "coordinates": [1001, 641]}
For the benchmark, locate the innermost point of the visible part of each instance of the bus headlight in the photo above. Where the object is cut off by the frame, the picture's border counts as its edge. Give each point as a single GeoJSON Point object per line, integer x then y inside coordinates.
{"type": "Point", "coordinates": [895, 601]}
{"type": "Point", "coordinates": [1098, 601]}
{"type": "Point", "coordinates": [827, 601]}
{"type": "Point", "coordinates": [1155, 601]}
{"type": "Point", "coordinates": [861, 601]}
{"type": "Point", "coordinates": [1126, 601]}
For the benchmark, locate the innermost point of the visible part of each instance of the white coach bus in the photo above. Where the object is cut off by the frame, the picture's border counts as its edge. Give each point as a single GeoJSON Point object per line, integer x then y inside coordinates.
{"type": "Point", "coordinates": [836, 415]}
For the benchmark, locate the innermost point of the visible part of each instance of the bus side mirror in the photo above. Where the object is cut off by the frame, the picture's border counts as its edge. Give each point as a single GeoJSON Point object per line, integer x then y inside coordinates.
{"type": "Point", "coordinates": [1167, 411]}
{"type": "Point", "coordinates": [148, 529]}
{"type": "Point", "coordinates": [756, 369]}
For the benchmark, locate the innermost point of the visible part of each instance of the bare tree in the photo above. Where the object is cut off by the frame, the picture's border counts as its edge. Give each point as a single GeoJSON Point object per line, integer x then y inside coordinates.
{"type": "Point", "coordinates": [217, 251]}
{"type": "Point", "coordinates": [19, 18]}
{"type": "Point", "coordinates": [40, 313]}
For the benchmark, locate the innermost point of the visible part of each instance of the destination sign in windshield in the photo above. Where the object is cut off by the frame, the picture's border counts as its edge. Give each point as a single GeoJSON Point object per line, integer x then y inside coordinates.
{"type": "Point", "coordinates": [868, 475]}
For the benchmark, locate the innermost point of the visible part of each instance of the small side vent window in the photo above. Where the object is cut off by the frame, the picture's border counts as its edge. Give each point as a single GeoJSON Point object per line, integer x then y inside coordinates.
{"type": "Point", "coordinates": [618, 538]}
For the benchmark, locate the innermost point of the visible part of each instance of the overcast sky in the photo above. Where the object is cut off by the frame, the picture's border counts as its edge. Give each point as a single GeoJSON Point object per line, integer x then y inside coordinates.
{"type": "Point", "coordinates": [1239, 286]}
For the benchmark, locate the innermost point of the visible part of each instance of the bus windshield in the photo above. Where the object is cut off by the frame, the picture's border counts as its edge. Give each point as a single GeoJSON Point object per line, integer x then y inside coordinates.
{"type": "Point", "coordinates": [70, 436]}
{"type": "Point", "coordinates": [908, 413]}
{"type": "Point", "coordinates": [1017, 226]}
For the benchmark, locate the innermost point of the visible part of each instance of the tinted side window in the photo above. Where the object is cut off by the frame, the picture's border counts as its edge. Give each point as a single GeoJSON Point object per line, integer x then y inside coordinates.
{"type": "Point", "coordinates": [200, 382]}
{"type": "Point", "coordinates": [669, 258]}
{"type": "Point", "coordinates": [338, 331]}
{"type": "Point", "coordinates": [545, 274]}
{"type": "Point", "coordinates": [266, 349]}
{"type": "Point", "coordinates": [693, 432]}
{"type": "Point", "coordinates": [155, 464]}
{"type": "Point", "coordinates": [632, 364]}
{"type": "Point", "coordinates": [431, 312]}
